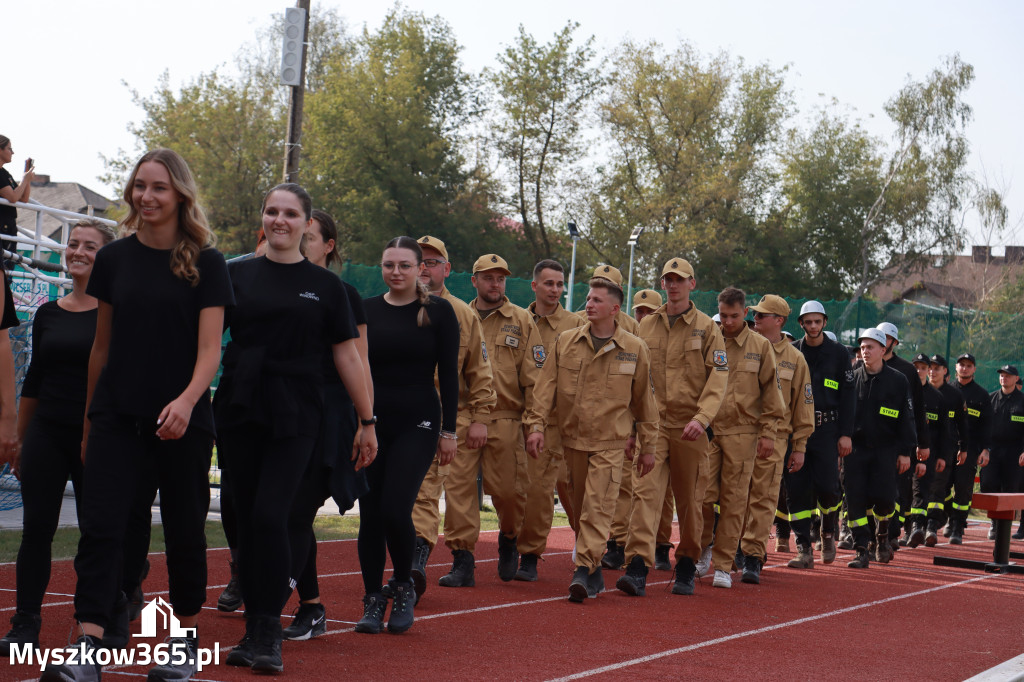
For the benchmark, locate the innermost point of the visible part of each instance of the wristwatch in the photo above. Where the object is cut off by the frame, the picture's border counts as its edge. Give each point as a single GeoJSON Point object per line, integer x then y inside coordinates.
{"type": "Point", "coordinates": [369, 422]}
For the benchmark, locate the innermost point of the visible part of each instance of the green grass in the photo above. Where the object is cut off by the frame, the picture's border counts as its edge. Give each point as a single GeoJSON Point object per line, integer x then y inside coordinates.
{"type": "Point", "coordinates": [65, 541]}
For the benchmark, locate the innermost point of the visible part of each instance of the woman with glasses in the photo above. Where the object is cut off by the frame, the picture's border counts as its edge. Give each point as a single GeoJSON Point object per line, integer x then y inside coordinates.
{"type": "Point", "coordinates": [410, 335]}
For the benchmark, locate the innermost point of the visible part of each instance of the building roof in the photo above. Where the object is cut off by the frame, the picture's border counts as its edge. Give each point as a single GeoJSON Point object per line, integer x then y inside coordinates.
{"type": "Point", "coordinates": [964, 281]}
{"type": "Point", "coordinates": [67, 196]}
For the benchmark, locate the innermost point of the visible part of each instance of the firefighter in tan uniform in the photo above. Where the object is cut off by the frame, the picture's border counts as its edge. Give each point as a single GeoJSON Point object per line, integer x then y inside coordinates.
{"type": "Point", "coordinates": [622, 319]}
{"type": "Point", "coordinates": [794, 429]}
{"type": "Point", "coordinates": [516, 355]}
{"type": "Point", "coordinates": [547, 470]}
{"type": "Point", "coordinates": [596, 383]}
{"type": "Point", "coordinates": [690, 370]}
{"type": "Point", "coordinates": [645, 302]}
{"type": "Point", "coordinates": [745, 428]}
{"type": "Point", "coordinates": [476, 399]}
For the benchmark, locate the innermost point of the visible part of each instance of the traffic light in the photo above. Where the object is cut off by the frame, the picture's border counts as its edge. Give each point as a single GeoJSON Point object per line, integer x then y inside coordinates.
{"type": "Point", "coordinates": [293, 46]}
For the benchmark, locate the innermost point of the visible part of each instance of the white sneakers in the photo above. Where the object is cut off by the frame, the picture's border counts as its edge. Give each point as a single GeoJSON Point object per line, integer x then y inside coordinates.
{"type": "Point", "coordinates": [722, 579]}
{"type": "Point", "coordinates": [704, 563]}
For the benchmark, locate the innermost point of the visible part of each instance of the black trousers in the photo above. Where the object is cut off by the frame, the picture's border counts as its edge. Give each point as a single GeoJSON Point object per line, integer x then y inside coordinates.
{"type": "Point", "coordinates": [924, 489]}
{"type": "Point", "coordinates": [816, 484]}
{"type": "Point", "coordinates": [1002, 474]}
{"type": "Point", "coordinates": [123, 456]}
{"type": "Point", "coordinates": [264, 473]}
{"type": "Point", "coordinates": [870, 479]}
{"type": "Point", "coordinates": [904, 499]}
{"type": "Point", "coordinates": [963, 485]}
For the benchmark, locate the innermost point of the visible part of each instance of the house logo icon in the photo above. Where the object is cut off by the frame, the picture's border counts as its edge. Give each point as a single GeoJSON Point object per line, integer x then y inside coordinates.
{"type": "Point", "coordinates": [160, 610]}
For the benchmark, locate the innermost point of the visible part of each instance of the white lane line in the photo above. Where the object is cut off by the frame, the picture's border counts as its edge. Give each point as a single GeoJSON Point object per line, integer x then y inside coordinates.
{"type": "Point", "coordinates": [759, 631]}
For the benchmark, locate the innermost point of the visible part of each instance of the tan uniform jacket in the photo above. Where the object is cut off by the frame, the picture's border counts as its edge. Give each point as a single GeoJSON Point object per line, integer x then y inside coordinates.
{"type": "Point", "coordinates": [622, 319]}
{"type": "Point", "coordinates": [476, 390]}
{"type": "Point", "coordinates": [797, 394]}
{"type": "Point", "coordinates": [753, 400]}
{"type": "Point", "coordinates": [597, 396]}
{"type": "Point", "coordinates": [550, 326]}
{"type": "Point", "coordinates": [516, 354]}
{"type": "Point", "coordinates": [689, 366]}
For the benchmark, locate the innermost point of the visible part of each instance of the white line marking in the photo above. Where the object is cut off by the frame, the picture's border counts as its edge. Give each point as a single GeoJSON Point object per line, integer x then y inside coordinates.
{"type": "Point", "coordinates": [770, 628]}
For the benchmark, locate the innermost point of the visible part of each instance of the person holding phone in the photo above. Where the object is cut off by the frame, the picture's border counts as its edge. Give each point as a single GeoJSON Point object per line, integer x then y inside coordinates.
{"type": "Point", "coordinates": [12, 191]}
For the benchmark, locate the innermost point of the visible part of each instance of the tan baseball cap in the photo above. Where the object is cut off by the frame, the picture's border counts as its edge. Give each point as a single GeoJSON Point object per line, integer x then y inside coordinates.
{"type": "Point", "coordinates": [434, 243]}
{"type": "Point", "coordinates": [491, 261]}
{"type": "Point", "coordinates": [647, 298]}
{"type": "Point", "coordinates": [678, 266]}
{"type": "Point", "coordinates": [772, 305]}
{"type": "Point", "coordinates": [609, 273]}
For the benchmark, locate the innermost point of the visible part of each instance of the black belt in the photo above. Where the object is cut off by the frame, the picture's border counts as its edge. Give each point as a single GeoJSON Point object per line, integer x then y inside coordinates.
{"type": "Point", "coordinates": [826, 417]}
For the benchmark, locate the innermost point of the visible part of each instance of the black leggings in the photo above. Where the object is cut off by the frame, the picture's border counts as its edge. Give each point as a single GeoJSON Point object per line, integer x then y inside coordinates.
{"type": "Point", "coordinates": [264, 473]}
{"type": "Point", "coordinates": [404, 454]}
{"type": "Point", "coordinates": [124, 454]}
{"type": "Point", "coordinates": [51, 454]}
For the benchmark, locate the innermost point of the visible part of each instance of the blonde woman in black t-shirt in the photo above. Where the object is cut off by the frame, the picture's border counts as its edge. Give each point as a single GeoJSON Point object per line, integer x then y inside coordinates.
{"type": "Point", "coordinates": [162, 291]}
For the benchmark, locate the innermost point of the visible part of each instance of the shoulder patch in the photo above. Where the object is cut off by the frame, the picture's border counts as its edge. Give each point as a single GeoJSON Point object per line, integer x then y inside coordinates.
{"type": "Point", "coordinates": [849, 376]}
{"type": "Point", "coordinates": [483, 349]}
{"type": "Point", "coordinates": [808, 393]}
{"type": "Point", "coordinates": [720, 358]}
{"type": "Point", "coordinates": [539, 355]}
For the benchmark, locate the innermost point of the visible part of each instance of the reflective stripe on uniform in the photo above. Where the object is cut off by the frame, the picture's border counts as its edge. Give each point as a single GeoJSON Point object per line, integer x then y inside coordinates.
{"type": "Point", "coordinates": [799, 516]}
{"type": "Point", "coordinates": [931, 416]}
{"type": "Point", "coordinates": [888, 412]}
{"type": "Point", "coordinates": [936, 505]}
{"type": "Point", "coordinates": [915, 510]}
{"type": "Point", "coordinates": [973, 413]}
{"type": "Point", "coordinates": [832, 383]}
{"type": "Point", "coordinates": [783, 516]}
{"type": "Point", "coordinates": [961, 507]}
{"type": "Point", "coordinates": [887, 516]}
{"type": "Point", "coordinates": [829, 510]}
{"type": "Point", "coordinates": [857, 523]}
{"type": "Point", "coordinates": [949, 496]}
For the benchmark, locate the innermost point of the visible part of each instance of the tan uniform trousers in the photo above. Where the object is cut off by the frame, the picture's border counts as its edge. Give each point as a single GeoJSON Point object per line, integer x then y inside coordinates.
{"type": "Point", "coordinates": [664, 536]}
{"type": "Point", "coordinates": [426, 513]}
{"type": "Point", "coordinates": [683, 465]}
{"type": "Point", "coordinates": [503, 460]}
{"type": "Point", "coordinates": [730, 463]}
{"type": "Point", "coordinates": [623, 503]}
{"type": "Point", "coordinates": [565, 495]}
{"type": "Point", "coordinates": [594, 479]}
{"type": "Point", "coordinates": [540, 502]}
{"type": "Point", "coordinates": [765, 480]}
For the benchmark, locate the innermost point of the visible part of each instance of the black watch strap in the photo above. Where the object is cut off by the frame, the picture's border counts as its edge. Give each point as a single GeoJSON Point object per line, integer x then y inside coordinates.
{"type": "Point", "coordinates": [369, 422]}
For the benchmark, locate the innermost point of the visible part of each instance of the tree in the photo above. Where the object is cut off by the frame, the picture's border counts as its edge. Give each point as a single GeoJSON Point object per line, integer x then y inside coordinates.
{"type": "Point", "coordinates": [383, 140]}
{"type": "Point", "coordinates": [542, 93]}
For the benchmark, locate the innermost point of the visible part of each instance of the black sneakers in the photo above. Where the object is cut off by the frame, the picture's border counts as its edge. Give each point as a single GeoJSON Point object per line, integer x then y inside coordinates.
{"type": "Point", "coordinates": [685, 572]}
{"type": "Point", "coordinates": [661, 558]}
{"type": "Point", "coordinates": [183, 652]}
{"type": "Point", "coordinates": [310, 621]}
{"type": "Point", "coordinates": [242, 653]}
{"type": "Point", "coordinates": [614, 556]}
{"type": "Point", "coordinates": [634, 581]}
{"type": "Point", "coordinates": [266, 645]}
{"type": "Point", "coordinates": [508, 557]}
{"type": "Point", "coordinates": [527, 568]}
{"type": "Point", "coordinates": [86, 670]}
{"type": "Point", "coordinates": [373, 614]}
{"type": "Point", "coordinates": [24, 630]}
{"type": "Point", "coordinates": [231, 598]}
{"type": "Point", "coordinates": [752, 570]}
{"type": "Point", "coordinates": [463, 568]}
{"type": "Point", "coordinates": [401, 617]}
{"type": "Point", "coordinates": [420, 555]}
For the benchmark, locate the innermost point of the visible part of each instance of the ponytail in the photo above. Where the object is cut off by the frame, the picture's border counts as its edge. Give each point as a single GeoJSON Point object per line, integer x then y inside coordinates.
{"type": "Point", "coordinates": [422, 318]}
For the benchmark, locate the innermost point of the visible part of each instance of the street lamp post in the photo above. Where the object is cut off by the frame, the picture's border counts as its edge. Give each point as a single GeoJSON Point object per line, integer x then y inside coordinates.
{"type": "Point", "coordinates": [634, 236]}
{"type": "Point", "coordinates": [575, 234]}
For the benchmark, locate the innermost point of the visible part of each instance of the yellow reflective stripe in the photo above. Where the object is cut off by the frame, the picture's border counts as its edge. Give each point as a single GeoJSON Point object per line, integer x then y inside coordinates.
{"type": "Point", "coordinates": [936, 505]}
{"type": "Point", "coordinates": [832, 383]}
{"type": "Point", "coordinates": [952, 413]}
{"type": "Point", "coordinates": [816, 512]}
{"type": "Point", "coordinates": [857, 523]}
{"type": "Point", "coordinates": [974, 413]}
{"type": "Point", "coordinates": [961, 507]}
{"type": "Point", "coordinates": [949, 496]}
{"type": "Point", "coordinates": [1017, 418]}
{"type": "Point", "coordinates": [883, 518]}
{"type": "Point", "coordinates": [829, 510]}
{"type": "Point", "coordinates": [888, 412]}
{"type": "Point", "coordinates": [782, 516]}
{"type": "Point", "coordinates": [932, 416]}
{"type": "Point", "coordinates": [898, 507]}
{"type": "Point", "coordinates": [799, 516]}
{"type": "Point", "coordinates": [718, 510]}
{"type": "Point", "coordinates": [915, 510]}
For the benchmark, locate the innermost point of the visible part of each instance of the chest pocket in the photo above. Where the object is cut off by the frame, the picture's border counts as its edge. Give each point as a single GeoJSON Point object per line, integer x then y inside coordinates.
{"type": "Point", "coordinates": [620, 379]}
{"type": "Point", "coordinates": [786, 378]}
{"type": "Point", "coordinates": [692, 356]}
{"type": "Point", "coordinates": [569, 375]}
{"type": "Point", "coordinates": [507, 353]}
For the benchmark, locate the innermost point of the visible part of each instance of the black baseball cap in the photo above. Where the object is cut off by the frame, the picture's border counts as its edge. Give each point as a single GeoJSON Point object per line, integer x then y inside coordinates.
{"type": "Point", "coordinates": [939, 360]}
{"type": "Point", "coordinates": [1009, 369]}
{"type": "Point", "coordinates": [968, 357]}
{"type": "Point", "coordinates": [921, 357]}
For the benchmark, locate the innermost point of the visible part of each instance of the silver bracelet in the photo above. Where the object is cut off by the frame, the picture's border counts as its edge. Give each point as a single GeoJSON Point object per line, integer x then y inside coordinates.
{"type": "Point", "coordinates": [449, 435]}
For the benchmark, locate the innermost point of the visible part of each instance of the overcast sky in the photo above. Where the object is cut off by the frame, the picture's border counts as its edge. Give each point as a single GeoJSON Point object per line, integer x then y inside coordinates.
{"type": "Point", "coordinates": [65, 103]}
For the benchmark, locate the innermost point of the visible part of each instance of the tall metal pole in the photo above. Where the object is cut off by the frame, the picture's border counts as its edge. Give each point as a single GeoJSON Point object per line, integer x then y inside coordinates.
{"type": "Point", "coordinates": [293, 143]}
{"type": "Point", "coordinates": [572, 275]}
{"type": "Point", "coordinates": [629, 287]}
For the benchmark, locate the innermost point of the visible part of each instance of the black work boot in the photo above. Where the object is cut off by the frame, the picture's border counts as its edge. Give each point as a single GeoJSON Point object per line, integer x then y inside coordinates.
{"type": "Point", "coordinates": [242, 653]}
{"type": "Point", "coordinates": [863, 560]}
{"type": "Point", "coordinates": [373, 613]}
{"type": "Point", "coordinates": [578, 588]}
{"type": "Point", "coordinates": [634, 581]}
{"type": "Point", "coordinates": [231, 598]}
{"type": "Point", "coordinates": [614, 556]}
{"type": "Point", "coordinates": [24, 630]}
{"type": "Point", "coordinates": [419, 566]}
{"type": "Point", "coordinates": [527, 568]}
{"type": "Point", "coordinates": [461, 574]}
{"type": "Point", "coordinates": [916, 536]}
{"type": "Point", "coordinates": [661, 560]}
{"type": "Point", "coordinates": [931, 535]}
{"type": "Point", "coordinates": [956, 533]}
{"type": "Point", "coordinates": [686, 570]}
{"type": "Point", "coordinates": [402, 616]}
{"type": "Point", "coordinates": [508, 557]}
{"type": "Point", "coordinates": [883, 548]}
{"type": "Point", "coordinates": [595, 583]}
{"type": "Point", "coordinates": [752, 570]}
{"type": "Point", "coordinates": [1019, 535]}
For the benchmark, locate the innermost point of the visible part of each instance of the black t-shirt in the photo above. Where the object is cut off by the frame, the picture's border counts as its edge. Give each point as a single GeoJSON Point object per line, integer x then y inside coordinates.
{"type": "Point", "coordinates": [10, 314]}
{"type": "Point", "coordinates": [154, 339]}
{"type": "Point", "coordinates": [286, 316]}
{"type": "Point", "coordinates": [404, 355]}
{"type": "Point", "coordinates": [8, 214]}
{"type": "Point", "coordinates": [58, 375]}
{"type": "Point", "coordinates": [355, 303]}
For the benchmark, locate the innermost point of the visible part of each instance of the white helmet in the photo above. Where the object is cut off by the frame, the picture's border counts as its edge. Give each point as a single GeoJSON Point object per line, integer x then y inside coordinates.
{"type": "Point", "coordinates": [716, 318]}
{"type": "Point", "coordinates": [889, 329]}
{"type": "Point", "coordinates": [812, 307]}
{"type": "Point", "coordinates": [831, 335]}
{"type": "Point", "coordinates": [875, 335]}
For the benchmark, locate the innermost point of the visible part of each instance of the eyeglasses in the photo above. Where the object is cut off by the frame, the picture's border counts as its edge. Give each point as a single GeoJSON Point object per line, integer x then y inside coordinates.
{"type": "Point", "coordinates": [434, 262]}
{"type": "Point", "coordinates": [404, 267]}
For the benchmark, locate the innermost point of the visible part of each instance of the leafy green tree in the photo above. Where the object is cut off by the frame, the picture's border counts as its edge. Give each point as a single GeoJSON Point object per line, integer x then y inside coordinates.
{"type": "Point", "coordinates": [542, 95]}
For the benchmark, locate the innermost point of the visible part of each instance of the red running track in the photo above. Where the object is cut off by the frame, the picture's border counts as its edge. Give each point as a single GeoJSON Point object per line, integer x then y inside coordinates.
{"type": "Point", "coordinates": [906, 620]}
